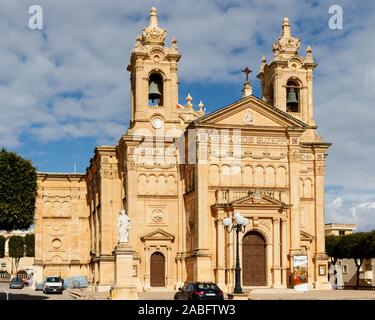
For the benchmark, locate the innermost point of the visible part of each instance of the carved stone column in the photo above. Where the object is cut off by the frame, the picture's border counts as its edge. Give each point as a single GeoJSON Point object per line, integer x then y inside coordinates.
{"type": "Point", "coordinates": [321, 259]}
{"type": "Point", "coordinates": [284, 252]}
{"type": "Point", "coordinates": [167, 266]}
{"type": "Point", "coordinates": [203, 268]}
{"type": "Point", "coordinates": [220, 257]}
{"type": "Point", "coordinates": [295, 228]}
{"type": "Point", "coordinates": [146, 284]}
{"type": "Point", "coordinates": [179, 280]}
{"type": "Point", "coordinates": [276, 253]}
{"type": "Point", "coordinates": [309, 79]}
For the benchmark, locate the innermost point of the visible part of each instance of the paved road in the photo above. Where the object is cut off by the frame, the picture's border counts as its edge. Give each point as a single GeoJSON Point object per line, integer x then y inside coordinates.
{"type": "Point", "coordinates": [29, 294]}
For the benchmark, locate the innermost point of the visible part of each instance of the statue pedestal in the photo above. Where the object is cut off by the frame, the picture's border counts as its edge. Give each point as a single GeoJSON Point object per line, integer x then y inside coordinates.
{"type": "Point", "coordinates": [124, 287]}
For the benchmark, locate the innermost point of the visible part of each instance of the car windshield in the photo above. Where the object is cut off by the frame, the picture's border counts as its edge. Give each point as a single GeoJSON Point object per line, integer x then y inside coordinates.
{"type": "Point", "coordinates": [53, 279]}
{"type": "Point", "coordinates": [207, 286]}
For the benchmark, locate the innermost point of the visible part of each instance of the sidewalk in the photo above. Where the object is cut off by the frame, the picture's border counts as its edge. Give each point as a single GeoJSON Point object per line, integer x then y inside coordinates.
{"type": "Point", "coordinates": [256, 294]}
{"type": "Point", "coordinates": [312, 295]}
{"type": "Point", "coordinates": [87, 294]}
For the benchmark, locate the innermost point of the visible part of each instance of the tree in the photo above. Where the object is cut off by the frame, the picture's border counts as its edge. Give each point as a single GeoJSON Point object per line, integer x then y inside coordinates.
{"type": "Point", "coordinates": [30, 245]}
{"type": "Point", "coordinates": [2, 246]}
{"type": "Point", "coordinates": [16, 250]}
{"type": "Point", "coordinates": [332, 248]}
{"type": "Point", "coordinates": [358, 246]}
{"type": "Point", "coordinates": [18, 189]}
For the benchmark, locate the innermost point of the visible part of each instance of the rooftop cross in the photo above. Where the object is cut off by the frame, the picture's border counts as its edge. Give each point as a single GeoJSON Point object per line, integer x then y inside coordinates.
{"type": "Point", "coordinates": [247, 71]}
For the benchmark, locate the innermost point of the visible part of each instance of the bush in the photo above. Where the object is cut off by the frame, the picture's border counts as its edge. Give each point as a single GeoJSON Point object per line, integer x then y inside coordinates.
{"type": "Point", "coordinates": [30, 245]}
{"type": "Point", "coordinates": [16, 249]}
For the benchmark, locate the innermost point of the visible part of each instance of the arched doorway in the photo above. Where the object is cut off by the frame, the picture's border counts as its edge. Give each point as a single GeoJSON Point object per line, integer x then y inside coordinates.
{"type": "Point", "coordinates": [253, 259]}
{"type": "Point", "coordinates": [157, 268]}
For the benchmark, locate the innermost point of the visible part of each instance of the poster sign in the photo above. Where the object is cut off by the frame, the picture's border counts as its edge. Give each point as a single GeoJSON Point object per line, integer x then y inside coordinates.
{"type": "Point", "coordinates": [300, 279]}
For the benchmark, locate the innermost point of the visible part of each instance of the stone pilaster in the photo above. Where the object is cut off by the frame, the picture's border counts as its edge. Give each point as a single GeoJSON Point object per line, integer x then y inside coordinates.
{"type": "Point", "coordinates": [147, 285]}
{"type": "Point", "coordinates": [295, 228]}
{"type": "Point", "coordinates": [203, 253]}
{"type": "Point", "coordinates": [220, 258]}
{"type": "Point", "coordinates": [276, 253]}
{"type": "Point", "coordinates": [321, 259]}
{"type": "Point", "coordinates": [284, 251]}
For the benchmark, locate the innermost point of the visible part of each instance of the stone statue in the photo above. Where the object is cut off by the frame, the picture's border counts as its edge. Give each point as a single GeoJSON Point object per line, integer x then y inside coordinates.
{"type": "Point", "coordinates": [123, 227]}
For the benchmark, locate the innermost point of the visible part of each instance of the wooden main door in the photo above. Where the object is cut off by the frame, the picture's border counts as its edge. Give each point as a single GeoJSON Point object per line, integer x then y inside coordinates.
{"type": "Point", "coordinates": [157, 270]}
{"type": "Point", "coordinates": [253, 259]}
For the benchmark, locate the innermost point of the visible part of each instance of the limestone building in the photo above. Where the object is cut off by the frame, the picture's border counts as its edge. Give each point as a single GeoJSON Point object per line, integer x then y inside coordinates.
{"type": "Point", "coordinates": [177, 172]}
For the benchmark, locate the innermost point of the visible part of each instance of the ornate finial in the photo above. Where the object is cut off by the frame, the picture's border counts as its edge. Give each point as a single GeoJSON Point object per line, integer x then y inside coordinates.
{"type": "Point", "coordinates": [174, 43]}
{"type": "Point", "coordinates": [264, 59]}
{"type": "Point", "coordinates": [309, 56]}
{"type": "Point", "coordinates": [153, 17]}
{"type": "Point", "coordinates": [286, 27]}
{"type": "Point", "coordinates": [200, 106]}
{"type": "Point", "coordinates": [286, 45]}
{"type": "Point", "coordinates": [153, 34]}
{"type": "Point", "coordinates": [189, 99]}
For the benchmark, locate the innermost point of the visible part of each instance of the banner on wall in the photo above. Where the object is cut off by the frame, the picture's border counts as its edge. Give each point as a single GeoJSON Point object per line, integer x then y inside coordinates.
{"type": "Point", "coordinates": [300, 276]}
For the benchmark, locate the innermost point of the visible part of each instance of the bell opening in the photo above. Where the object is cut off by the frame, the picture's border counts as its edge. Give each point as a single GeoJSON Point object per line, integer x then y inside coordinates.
{"type": "Point", "coordinates": [292, 100]}
{"type": "Point", "coordinates": [155, 90]}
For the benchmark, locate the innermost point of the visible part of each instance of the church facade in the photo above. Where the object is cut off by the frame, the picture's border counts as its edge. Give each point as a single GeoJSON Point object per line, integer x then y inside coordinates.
{"type": "Point", "coordinates": [178, 172]}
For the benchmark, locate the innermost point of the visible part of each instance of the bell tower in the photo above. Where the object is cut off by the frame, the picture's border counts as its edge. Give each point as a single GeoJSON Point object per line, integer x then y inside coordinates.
{"type": "Point", "coordinates": [153, 76]}
{"type": "Point", "coordinates": [287, 82]}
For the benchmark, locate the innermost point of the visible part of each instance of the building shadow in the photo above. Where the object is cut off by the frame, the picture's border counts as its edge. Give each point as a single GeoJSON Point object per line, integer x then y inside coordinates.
{"type": "Point", "coordinates": [22, 296]}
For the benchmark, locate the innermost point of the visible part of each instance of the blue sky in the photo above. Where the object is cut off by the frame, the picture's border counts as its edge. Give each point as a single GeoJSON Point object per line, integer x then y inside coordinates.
{"type": "Point", "coordinates": [65, 90]}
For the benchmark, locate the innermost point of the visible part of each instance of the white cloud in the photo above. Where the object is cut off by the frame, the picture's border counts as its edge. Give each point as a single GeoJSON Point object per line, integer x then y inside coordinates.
{"type": "Point", "coordinates": [351, 209]}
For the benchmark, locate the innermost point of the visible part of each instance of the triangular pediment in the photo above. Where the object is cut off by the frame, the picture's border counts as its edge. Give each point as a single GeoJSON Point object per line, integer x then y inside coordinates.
{"type": "Point", "coordinates": [306, 236]}
{"type": "Point", "coordinates": [251, 112]}
{"type": "Point", "coordinates": [258, 200]}
{"type": "Point", "coordinates": [158, 234]}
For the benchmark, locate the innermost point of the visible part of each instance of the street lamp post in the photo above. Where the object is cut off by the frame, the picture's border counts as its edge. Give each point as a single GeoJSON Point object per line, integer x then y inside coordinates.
{"type": "Point", "coordinates": [238, 223]}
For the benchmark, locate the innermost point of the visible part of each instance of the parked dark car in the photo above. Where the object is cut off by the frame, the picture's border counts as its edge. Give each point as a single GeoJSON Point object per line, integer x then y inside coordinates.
{"type": "Point", "coordinates": [16, 283]}
{"type": "Point", "coordinates": [199, 291]}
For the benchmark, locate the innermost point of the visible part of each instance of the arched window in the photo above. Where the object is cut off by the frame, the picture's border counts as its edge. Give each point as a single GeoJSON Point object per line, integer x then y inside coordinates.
{"type": "Point", "coordinates": [292, 96]}
{"type": "Point", "coordinates": [155, 90]}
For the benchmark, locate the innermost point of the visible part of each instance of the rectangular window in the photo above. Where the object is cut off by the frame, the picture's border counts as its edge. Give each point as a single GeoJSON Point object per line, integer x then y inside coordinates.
{"type": "Point", "coordinates": [341, 232]}
{"type": "Point", "coordinates": [3, 265]}
{"type": "Point", "coordinates": [344, 268]}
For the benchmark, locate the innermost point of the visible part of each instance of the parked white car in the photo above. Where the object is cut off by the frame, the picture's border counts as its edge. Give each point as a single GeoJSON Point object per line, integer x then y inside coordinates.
{"type": "Point", "coordinates": [53, 284]}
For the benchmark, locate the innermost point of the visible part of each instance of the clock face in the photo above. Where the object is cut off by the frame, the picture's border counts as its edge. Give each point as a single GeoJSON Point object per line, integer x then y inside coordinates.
{"type": "Point", "coordinates": [157, 123]}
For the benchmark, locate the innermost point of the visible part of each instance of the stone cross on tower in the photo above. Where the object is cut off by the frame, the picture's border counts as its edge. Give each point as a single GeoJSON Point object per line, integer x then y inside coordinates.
{"type": "Point", "coordinates": [247, 71]}
{"type": "Point", "coordinates": [247, 90]}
